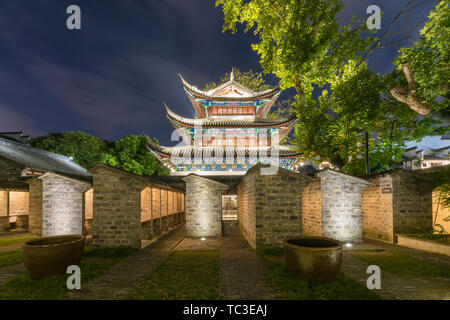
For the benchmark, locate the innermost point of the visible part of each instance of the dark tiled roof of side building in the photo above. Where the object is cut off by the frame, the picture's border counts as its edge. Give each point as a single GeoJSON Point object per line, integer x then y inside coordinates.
{"type": "Point", "coordinates": [38, 159]}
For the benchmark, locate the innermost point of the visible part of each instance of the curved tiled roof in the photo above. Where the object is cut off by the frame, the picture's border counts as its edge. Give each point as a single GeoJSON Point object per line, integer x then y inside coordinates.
{"type": "Point", "coordinates": [38, 159]}
{"type": "Point", "coordinates": [189, 151]}
{"type": "Point", "coordinates": [208, 123]}
{"type": "Point", "coordinates": [266, 94]}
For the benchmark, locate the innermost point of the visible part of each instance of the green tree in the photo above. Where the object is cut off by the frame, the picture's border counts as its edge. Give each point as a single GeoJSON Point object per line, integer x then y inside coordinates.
{"type": "Point", "coordinates": [131, 154]}
{"type": "Point", "coordinates": [305, 47]}
{"type": "Point", "coordinates": [425, 85]}
{"type": "Point", "coordinates": [85, 149]}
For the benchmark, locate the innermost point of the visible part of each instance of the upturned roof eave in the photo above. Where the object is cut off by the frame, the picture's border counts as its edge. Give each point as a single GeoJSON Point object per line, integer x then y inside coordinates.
{"type": "Point", "coordinates": [204, 122]}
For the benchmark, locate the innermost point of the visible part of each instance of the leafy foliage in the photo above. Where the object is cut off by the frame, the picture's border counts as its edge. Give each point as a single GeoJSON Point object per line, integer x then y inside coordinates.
{"type": "Point", "coordinates": [249, 79]}
{"type": "Point", "coordinates": [435, 233]}
{"type": "Point", "coordinates": [429, 58]}
{"type": "Point", "coordinates": [131, 154]}
{"type": "Point", "coordinates": [302, 43]}
{"type": "Point", "coordinates": [85, 149]}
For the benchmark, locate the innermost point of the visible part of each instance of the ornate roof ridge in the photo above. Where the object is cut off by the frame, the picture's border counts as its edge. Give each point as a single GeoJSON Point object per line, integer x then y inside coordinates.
{"type": "Point", "coordinates": [208, 95]}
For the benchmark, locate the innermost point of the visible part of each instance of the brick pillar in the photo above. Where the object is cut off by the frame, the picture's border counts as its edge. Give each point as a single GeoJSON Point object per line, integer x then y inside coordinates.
{"type": "Point", "coordinates": [341, 205]}
{"type": "Point", "coordinates": [157, 226]}
{"type": "Point", "coordinates": [117, 207]}
{"type": "Point", "coordinates": [147, 230]}
{"type": "Point", "coordinates": [164, 224]}
{"type": "Point", "coordinates": [35, 206]}
{"type": "Point", "coordinates": [203, 206]}
{"type": "Point", "coordinates": [62, 204]}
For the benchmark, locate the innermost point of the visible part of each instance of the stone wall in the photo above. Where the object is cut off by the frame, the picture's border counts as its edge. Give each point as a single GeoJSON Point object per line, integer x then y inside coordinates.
{"type": "Point", "coordinates": [35, 209]}
{"type": "Point", "coordinates": [203, 206]}
{"type": "Point", "coordinates": [246, 206]}
{"type": "Point", "coordinates": [312, 209]}
{"type": "Point", "coordinates": [129, 208]}
{"type": "Point", "coordinates": [412, 203]}
{"type": "Point", "coordinates": [396, 202]}
{"type": "Point", "coordinates": [62, 204]}
{"type": "Point", "coordinates": [378, 210]}
{"type": "Point", "coordinates": [270, 206]}
{"type": "Point", "coordinates": [341, 205]}
{"type": "Point", "coordinates": [117, 207]}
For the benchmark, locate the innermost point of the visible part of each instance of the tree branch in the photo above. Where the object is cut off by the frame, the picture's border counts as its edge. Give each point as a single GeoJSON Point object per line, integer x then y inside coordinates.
{"type": "Point", "coordinates": [377, 43]}
{"type": "Point", "coordinates": [410, 96]}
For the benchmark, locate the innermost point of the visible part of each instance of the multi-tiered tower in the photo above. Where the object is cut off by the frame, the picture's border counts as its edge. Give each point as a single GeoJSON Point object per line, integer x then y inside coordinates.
{"type": "Point", "coordinates": [229, 134]}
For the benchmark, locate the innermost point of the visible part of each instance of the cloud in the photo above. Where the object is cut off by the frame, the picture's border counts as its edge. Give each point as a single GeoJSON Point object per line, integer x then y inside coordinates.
{"type": "Point", "coordinates": [11, 120]}
{"type": "Point", "coordinates": [123, 92]}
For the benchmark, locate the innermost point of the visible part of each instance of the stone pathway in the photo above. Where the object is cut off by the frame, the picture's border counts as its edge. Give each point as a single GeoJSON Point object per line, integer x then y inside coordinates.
{"type": "Point", "coordinates": [117, 282]}
{"type": "Point", "coordinates": [418, 254]}
{"type": "Point", "coordinates": [394, 287]}
{"type": "Point", "coordinates": [10, 271]}
{"type": "Point", "coordinates": [12, 247]}
{"type": "Point", "coordinates": [243, 273]}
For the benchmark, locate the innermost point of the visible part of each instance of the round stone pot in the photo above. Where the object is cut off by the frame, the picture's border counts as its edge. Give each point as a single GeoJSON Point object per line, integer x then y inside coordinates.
{"type": "Point", "coordinates": [52, 255]}
{"type": "Point", "coordinates": [314, 259]}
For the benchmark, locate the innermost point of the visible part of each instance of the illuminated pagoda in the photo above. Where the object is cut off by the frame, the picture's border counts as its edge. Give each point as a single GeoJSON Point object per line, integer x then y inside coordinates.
{"type": "Point", "coordinates": [229, 134]}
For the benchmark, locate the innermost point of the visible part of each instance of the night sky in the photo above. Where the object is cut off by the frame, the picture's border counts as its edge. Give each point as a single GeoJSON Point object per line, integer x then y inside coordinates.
{"type": "Point", "coordinates": [109, 78]}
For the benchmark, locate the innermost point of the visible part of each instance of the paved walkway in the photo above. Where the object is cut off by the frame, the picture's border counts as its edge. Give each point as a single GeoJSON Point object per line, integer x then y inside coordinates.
{"type": "Point", "coordinates": [243, 273]}
{"type": "Point", "coordinates": [117, 282]}
{"type": "Point", "coordinates": [394, 287]}
{"type": "Point", "coordinates": [418, 254]}
{"type": "Point", "coordinates": [9, 271]}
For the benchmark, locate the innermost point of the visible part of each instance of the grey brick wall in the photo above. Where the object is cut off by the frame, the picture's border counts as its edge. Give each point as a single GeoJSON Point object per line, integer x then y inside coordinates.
{"type": "Point", "coordinates": [270, 206]}
{"type": "Point", "coordinates": [203, 206]}
{"type": "Point", "coordinates": [378, 210]}
{"type": "Point", "coordinates": [35, 203]}
{"type": "Point", "coordinates": [117, 208]}
{"type": "Point", "coordinates": [120, 198]}
{"type": "Point", "coordinates": [341, 205]}
{"type": "Point", "coordinates": [397, 202]}
{"type": "Point", "coordinates": [62, 204]}
{"type": "Point", "coordinates": [312, 209]}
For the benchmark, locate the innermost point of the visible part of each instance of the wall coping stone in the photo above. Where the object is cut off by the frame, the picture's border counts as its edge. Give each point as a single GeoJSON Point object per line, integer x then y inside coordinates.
{"type": "Point", "coordinates": [196, 176]}
{"type": "Point", "coordinates": [289, 172]}
{"type": "Point", "coordinates": [49, 174]}
{"type": "Point", "coordinates": [327, 171]}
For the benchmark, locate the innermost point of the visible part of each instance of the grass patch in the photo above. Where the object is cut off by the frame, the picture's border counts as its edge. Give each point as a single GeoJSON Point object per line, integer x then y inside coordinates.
{"type": "Point", "coordinates": [185, 275]}
{"type": "Point", "coordinates": [10, 241]}
{"type": "Point", "coordinates": [291, 288]}
{"type": "Point", "coordinates": [403, 265]}
{"type": "Point", "coordinates": [8, 258]}
{"type": "Point", "coordinates": [95, 262]}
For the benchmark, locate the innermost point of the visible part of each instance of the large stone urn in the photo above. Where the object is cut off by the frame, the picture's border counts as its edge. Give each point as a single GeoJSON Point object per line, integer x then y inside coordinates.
{"type": "Point", "coordinates": [314, 259]}
{"type": "Point", "coordinates": [52, 255]}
